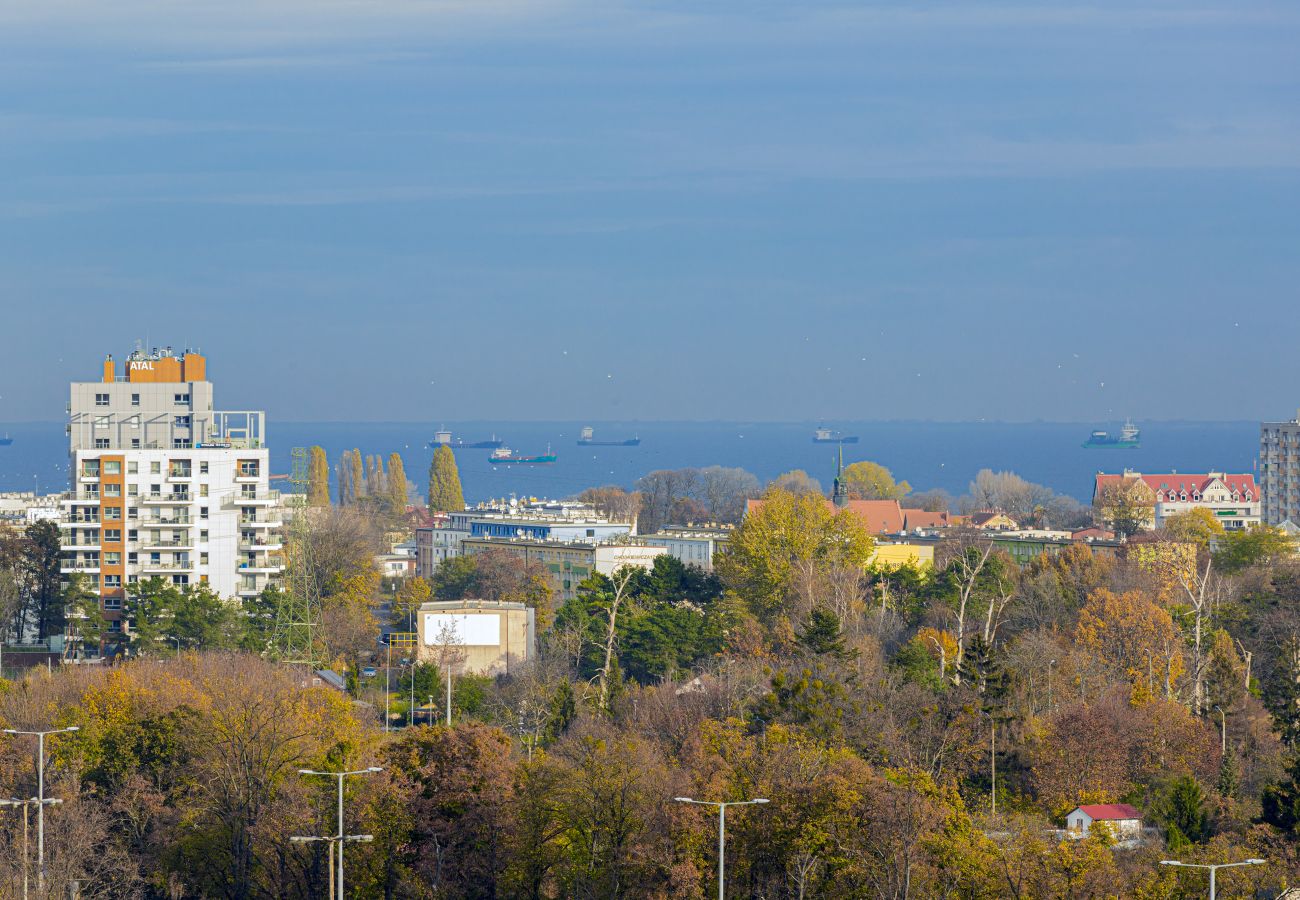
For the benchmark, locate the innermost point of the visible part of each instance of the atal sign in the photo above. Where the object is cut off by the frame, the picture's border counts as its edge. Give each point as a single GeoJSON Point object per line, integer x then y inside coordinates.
{"type": "Point", "coordinates": [141, 366]}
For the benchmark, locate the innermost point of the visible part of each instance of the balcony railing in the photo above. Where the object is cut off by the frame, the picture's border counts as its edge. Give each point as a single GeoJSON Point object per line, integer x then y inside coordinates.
{"type": "Point", "coordinates": [258, 546]}
{"type": "Point", "coordinates": [167, 566]}
{"type": "Point", "coordinates": [263, 521]}
{"type": "Point", "coordinates": [80, 565]}
{"type": "Point", "coordinates": [80, 522]}
{"type": "Point", "coordinates": [167, 497]}
{"type": "Point", "coordinates": [158, 522]}
{"type": "Point", "coordinates": [150, 544]}
{"type": "Point", "coordinates": [252, 498]}
{"type": "Point", "coordinates": [81, 497]}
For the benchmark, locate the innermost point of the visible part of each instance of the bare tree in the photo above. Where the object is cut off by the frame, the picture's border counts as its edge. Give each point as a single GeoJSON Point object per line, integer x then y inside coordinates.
{"type": "Point", "coordinates": [620, 580]}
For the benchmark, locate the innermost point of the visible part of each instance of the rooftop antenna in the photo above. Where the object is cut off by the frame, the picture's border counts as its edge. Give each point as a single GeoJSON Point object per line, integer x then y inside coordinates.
{"type": "Point", "coordinates": [839, 495]}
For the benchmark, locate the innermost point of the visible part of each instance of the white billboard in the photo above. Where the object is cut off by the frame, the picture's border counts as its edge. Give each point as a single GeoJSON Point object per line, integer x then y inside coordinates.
{"type": "Point", "coordinates": [467, 630]}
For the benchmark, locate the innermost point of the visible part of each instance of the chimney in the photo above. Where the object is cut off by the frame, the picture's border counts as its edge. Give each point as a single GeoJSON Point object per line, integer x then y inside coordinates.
{"type": "Point", "coordinates": [109, 372]}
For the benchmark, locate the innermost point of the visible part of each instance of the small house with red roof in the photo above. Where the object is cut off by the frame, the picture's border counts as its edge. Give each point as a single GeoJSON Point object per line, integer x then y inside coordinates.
{"type": "Point", "coordinates": [1232, 499]}
{"type": "Point", "coordinates": [1124, 820]}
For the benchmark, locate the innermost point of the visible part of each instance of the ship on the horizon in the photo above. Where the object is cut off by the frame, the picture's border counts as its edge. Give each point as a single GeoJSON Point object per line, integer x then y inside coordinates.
{"type": "Point", "coordinates": [587, 439]}
{"type": "Point", "coordinates": [824, 435]}
{"type": "Point", "coordinates": [442, 438]}
{"type": "Point", "coordinates": [506, 456]}
{"type": "Point", "coordinates": [6, 441]}
{"type": "Point", "coordinates": [1128, 438]}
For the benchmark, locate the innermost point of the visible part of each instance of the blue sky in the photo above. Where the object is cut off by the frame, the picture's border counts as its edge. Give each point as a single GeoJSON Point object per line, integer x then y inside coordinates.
{"type": "Point", "coordinates": [423, 210]}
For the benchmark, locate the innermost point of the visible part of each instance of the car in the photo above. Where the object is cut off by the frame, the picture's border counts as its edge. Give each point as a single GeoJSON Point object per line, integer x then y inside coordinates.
{"type": "Point", "coordinates": [369, 672]}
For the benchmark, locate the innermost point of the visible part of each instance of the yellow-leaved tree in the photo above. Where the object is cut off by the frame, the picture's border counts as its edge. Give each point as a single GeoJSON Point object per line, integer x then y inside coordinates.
{"type": "Point", "coordinates": [1136, 636]}
{"type": "Point", "coordinates": [787, 538]}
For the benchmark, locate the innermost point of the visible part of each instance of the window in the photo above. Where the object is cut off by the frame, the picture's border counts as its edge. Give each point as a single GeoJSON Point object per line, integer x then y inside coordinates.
{"type": "Point", "coordinates": [180, 444]}
{"type": "Point", "coordinates": [112, 490]}
{"type": "Point", "coordinates": [203, 512]}
{"type": "Point", "coordinates": [112, 535]}
{"type": "Point", "coordinates": [112, 513]}
{"type": "Point", "coordinates": [112, 467]}
{"type": "Point", "coordinates": [101, 399]}
{"type": "Point", "coordinates": [135, 399]}
{"type": "Point", "coordinates": [203, 490]}
{"type": "Point", "coordinates": [133, 490]}
{"type": "Point", "coordinates": [180, 579]}
{"type": "Point", "coordinates": [182, 421]}
{"type": "Point", "coordinates": [133, 579]}
{"type": "Point", "coordinates": [182, 398]}
{"type": "Point", "coordinates": [101, 421]}
{"type": "Point", "coordinates": [135, 443]}
{"type": "Point", "coordinates": [132, 467]}
{"type": "Point", "coordinates": [203, 536]}
{"type": "Point", "coordinates": [134, 421]}
{"type": "Point", "coordinates": [115, 625]}
{"type": "Point", "coordinates": [90, 468]}
{"type": "Point", "coordinates": [113, 558]}
{"type": "Point", "coordinates": [134, 512]}
{"type": "Point", "coordinates": [203, 468]}
{"type": "Point", "coordinates": [113, 602]}
{"type": "Point", "coordinates": [203, 559]}
{"type": "Point", "coordinates": [133, 558]}
{"type": "Point", "coordinates": [248, 469]}
{"type": "Point", "coordinates": [155, 468]}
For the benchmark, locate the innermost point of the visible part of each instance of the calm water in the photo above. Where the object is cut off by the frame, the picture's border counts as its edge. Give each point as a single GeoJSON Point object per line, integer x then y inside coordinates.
{"type": "Point", "coordinates": [928, 454]}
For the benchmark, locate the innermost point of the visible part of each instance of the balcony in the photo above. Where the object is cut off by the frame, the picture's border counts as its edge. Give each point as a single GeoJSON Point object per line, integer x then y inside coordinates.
{"type": "Point", "coordinates": [167, 566]}
{"type": "Point", "coordinates": [180, 475]}
{"type": "Point", "coordinates": [163, 497]}
{"type": "Point", "coordinates": [247, 477]}
{"type": "Point", "coordinates": [259, 545]}
{"type": "Point", "coordinates": [81, 542]}
{"type": "Point", "coordinates": [261, 520]}
{"type": "Point", "coordinates": [184, 543]}
{"type": "Point", "coordinates": [262, 567]}
{"type": "Point", "coordinates": [252, 498]}
{"type": "Point", "coordinates": [80, 522]}
{"type": "Point", "coordinates": [88, 477]}
{"type": "Point", "coordinates": [157, 522]}
{"type": "Point", "coordinates": [72, 497]}
{"type": "Point", "coordinates": [80, 565]}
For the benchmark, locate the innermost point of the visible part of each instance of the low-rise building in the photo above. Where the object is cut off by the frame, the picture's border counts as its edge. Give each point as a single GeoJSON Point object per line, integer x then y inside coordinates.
{"type": "Point", "coordinates": [693, 545]}
{"type": "Point", "coordinates": [1124, 820]}
{"type": "Point", "coordinates": [483, 637]}
{"type": "Point", "coordinates": [1233, 499]}
{"type": "Point", "coordinates": [891, 555]}
{"type": "Point", "coordinates": [568, 563]}
{"type": "Point", "coordinates": [22, 508]}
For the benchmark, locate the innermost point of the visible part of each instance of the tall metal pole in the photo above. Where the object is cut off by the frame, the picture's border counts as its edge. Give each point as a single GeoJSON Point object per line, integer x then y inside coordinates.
{"type": "Point", "coordinates": [1212, 890]}
{"type": "Point", "coordinates": [448, 696]}
{"type": "Point", "coordinates": [331, 868]}
{"type": "Point", "coordinates": [388, 689]}
{"type": "Point", "coordinates": [342, 775]}
{"type": "Point", "coordinates": [26, 856]}
{"type": "Point", "coordinates": [410, 713]}
{"type": "Point", "coordinates": [722, 851]}
{"type": "Point", "coordinates": [40, 814]}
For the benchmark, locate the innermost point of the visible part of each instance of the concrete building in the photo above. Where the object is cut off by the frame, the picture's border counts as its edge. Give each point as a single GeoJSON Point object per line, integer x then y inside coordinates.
{"type": "Point", "coordinates": [529, 519]}
{"type": "Point", "coordinates": [164, 484]}
{"type": "Point", "coordinates": [1279, 470]}
{"type": "Point", "coordinates": [23, 508]}
{"type": "Point", "coordinates": [489, 638]}
{"type": "Point", "coordinates": [1233, 499]}
{"type": "Point", "coordinates": [695, 546]}
{"type": "Point", "coordinates": [568, 563]}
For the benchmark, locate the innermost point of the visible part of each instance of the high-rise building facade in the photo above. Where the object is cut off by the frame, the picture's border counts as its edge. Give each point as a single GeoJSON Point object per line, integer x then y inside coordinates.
{"type": "Point", "coordinates": [163, 484]}
{"type": "Point", "coordinates": [1279, 470]}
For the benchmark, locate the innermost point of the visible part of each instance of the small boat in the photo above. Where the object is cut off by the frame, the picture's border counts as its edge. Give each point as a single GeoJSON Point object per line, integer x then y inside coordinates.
{"type": "Point", "coordinates": [6, 441]}
{"type": "Point", "coordinates": [442, 438]}
{"type": "Point", "coordinates": [587, 439]}
{"type": "Point", "coordinates": [1128, 438]}
{"type": "Point", "coordinates": [506, 456]}
{"type": "Point", "coordinates": [824, 435]}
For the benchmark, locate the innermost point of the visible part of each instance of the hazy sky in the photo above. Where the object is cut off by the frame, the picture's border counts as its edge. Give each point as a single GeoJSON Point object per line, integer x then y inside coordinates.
{"type": "Point", "coordinates": [414, 209]}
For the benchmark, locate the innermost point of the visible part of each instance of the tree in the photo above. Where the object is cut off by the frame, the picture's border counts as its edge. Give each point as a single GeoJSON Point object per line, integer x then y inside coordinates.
{"type": "Point", "coordinates": [821, 635]}
{"type": "Point", "coordinates": [1127, 506]}
{"type": "Point", "coordinates": [444, 482]}
{"type": "Point", "coordinates": [613, 502]}
{"type": "Point", "coordinates": [356, 475]}
{"type": "Point", "coordinates": [1137, 637]}
{"type": "Point", "coordinates": [86, 623]}
{"type": "Point", "coordinates": [796, 481]}
{"type": "Point", "coordinates": [413, 593]}
{"type": "Point", "coordinates": [455, 578]}
{"type": "Point", "coordinates": [1197, 526]}
{"type": "Point", "coordinates": [783, 538]}
{"type": "Point", "coordinates": [1183, 810]}
{"type": "Point", "coordinates": [397, 483]}
{"type": "Point", "coordinates": [872, 481]}
{"type": "Point", "coordinates": [1239, 550]}
{"type": "Point", "coordinates": [318, 478]}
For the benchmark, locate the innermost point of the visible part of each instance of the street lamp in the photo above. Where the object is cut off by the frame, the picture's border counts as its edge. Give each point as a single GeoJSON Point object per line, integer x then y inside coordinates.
{"type": "Point", "coordinates": [1212, 868]}
{"type": "Point", "coordinates": [341, 837]}
{"type": "Point", "coordinates": [1223, 730]}
{"type": "Point", "coordinates": [14, 801]}
{"type": "Point", "coordinates": [40, 797]}
{"type": "Point", "coordinates": [722, 833]}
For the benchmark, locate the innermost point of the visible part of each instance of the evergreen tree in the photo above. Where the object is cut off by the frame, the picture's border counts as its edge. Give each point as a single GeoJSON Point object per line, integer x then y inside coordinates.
{"type": "Point", "coordinates": [397, 483]}
{"type": "Point", "coordinates": [821, 635]}
{"type": "Point", "coordinates": [444, 482]}
{"type": "Point", "coordinates": [1229, 774]}
{"type": "Point", "coordinates": [318, 478]}
{"type": "Point", "coordinates": [1184, 810]}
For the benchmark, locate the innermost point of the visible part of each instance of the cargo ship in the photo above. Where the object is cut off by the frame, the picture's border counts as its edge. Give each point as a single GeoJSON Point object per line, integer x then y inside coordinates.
{"type": "Point", "coordinates": [442, 438]}
{"type": "Point", "coordinates": [6, 441]}
{"type": "Point", "coordinates": [587, 439]}
{"type": "Point", "coordinates": [1128, 438]}
{"type": "Point", "coordinates": [506, 456]}
{"type": "Point", "coordinates": [824, 435]}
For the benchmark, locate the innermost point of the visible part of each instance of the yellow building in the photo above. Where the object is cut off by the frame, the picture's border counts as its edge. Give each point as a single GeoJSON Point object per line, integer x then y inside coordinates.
{"type": "Point", "coordinates": [892, 556]}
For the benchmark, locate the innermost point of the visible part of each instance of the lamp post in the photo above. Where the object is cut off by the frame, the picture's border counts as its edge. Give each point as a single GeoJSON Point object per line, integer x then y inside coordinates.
{"type": "Point", "coordinates": [1223, 730]}
{"type": "Point", "coordinates": [1050, 663]}
{"type": "Point", "coordinates": [388, 689]}
{"type": "Point", "coordinates": [14, 801]}
{"type": "Point", "coordinates": [40, 797]}
{"type": "Point", "coordinates": [1212, 868]}
{"type": "Point", "coordinates": [722, 833]}
{"type": "Point", "coordinates": [341, 837]}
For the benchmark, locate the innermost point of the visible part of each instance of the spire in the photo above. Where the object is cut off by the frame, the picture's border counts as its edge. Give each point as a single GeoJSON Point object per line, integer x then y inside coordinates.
{"type": "Point", "coordinates": [839, 494]}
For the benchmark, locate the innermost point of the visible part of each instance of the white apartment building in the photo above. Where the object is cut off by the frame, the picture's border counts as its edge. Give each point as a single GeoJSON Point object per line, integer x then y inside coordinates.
{"type": "Point", "coordinates": [165, 485]}
{"type": "Point", "coordinates": [1279, 470]}
{"type": "Point", "coordinates": [693, 546]}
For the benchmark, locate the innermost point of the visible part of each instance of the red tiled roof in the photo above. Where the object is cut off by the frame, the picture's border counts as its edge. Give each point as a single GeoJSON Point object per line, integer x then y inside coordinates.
{"type": "Point", "coordinates": [878, 516]}
{"type": "Point", "coordinates": [920, 518]}
{"type": "Point", "coordinates": [1110, 812]}
{"type": "Point", "coordinates": [1189, 482]}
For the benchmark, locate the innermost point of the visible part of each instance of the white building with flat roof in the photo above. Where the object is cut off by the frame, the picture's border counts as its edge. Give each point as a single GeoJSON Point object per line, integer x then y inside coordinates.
{"type": "Point", "coordinates": [165, 485]}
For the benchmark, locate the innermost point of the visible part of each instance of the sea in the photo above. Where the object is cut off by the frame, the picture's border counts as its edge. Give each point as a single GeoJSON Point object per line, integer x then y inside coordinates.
{"type": "Point", "coordinates": [926, 454]}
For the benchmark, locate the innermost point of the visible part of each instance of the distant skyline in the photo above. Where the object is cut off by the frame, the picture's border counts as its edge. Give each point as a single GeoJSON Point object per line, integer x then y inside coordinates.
{"type": "Point", "coordinates": [486, 210]}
